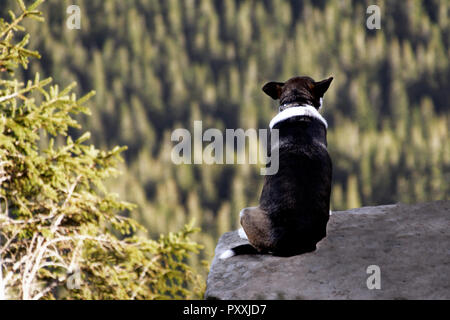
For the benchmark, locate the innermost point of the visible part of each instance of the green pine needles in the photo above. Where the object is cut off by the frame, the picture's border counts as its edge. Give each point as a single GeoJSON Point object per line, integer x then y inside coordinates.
{"type": "Point", "coordinates": [61, 236]}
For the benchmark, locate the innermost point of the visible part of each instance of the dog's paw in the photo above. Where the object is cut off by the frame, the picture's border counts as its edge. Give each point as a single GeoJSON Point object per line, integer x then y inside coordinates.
{"type": "Point", "coordinates": [242, 234]}
{"type": "Point", "coordinates": [226, 254]}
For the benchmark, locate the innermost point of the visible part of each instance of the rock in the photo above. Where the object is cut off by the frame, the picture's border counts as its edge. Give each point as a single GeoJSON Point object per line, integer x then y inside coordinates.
{"type": "Point", "coordinates": [409, 243]}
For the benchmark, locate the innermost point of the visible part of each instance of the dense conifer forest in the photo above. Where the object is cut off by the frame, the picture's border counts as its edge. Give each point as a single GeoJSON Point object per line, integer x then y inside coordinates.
{"type": "Point", "coordinates": [161, 65]}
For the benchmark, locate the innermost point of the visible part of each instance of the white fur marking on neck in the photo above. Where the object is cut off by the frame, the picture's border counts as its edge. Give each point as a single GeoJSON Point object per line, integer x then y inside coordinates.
{"type": "Point", "coordinates": [308, 111]}
{"type": "Point", "coordinates": [321, 103]}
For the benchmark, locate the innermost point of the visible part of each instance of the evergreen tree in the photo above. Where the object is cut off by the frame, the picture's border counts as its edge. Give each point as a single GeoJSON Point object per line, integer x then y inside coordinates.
{"type": "Point", "coordinates": [60, 232]}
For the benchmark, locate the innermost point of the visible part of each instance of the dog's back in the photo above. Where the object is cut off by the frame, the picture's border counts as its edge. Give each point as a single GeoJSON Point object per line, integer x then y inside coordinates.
{"type": "Point", "coordinates": [297, 197]}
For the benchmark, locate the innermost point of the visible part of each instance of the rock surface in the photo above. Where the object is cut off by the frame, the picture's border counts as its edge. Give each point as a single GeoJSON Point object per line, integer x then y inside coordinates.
{"type": "Point", "coordinates": [409, 243]}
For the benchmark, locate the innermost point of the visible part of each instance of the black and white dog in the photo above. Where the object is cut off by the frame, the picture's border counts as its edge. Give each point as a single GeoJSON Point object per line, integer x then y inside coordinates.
{"type": "Point", "coordinates": [293, 210]}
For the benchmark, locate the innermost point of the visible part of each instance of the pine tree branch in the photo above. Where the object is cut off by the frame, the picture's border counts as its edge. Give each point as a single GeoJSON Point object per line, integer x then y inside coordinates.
{"type": "Point", "coordinates": [12, 25]}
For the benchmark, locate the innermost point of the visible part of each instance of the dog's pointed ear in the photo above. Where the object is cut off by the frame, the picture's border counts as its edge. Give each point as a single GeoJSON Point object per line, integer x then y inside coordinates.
{"type": "Point", "coordinates": [322, 86]}
{"type": "Point", "coordinates": [273, 89]}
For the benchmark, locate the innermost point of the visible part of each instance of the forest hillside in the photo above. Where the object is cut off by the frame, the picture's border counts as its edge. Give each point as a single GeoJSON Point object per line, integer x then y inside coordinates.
{"type": "Point", "coordinates": [161, 65]}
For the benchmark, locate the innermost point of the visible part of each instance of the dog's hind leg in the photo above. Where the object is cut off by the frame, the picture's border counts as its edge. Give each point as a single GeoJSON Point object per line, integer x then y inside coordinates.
{"type": "Point", "coordinates": [241, 231]}
{"type": "Point", "coordinates": [257, 227]}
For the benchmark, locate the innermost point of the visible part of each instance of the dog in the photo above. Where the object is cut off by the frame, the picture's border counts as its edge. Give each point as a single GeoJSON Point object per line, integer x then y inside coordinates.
{"type": "Point", "coordinates": [294, 205]}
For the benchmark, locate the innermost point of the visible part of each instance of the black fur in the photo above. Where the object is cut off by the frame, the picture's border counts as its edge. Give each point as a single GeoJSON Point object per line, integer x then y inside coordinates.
{"type": "Point", "coordinates": [297, 197]}
{"type": "Point", "coordinates": [244, 249]}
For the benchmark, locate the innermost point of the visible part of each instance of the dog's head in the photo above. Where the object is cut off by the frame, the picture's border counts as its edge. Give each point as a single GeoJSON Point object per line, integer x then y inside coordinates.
{"type": "Point", "coordinates": [301, 90]}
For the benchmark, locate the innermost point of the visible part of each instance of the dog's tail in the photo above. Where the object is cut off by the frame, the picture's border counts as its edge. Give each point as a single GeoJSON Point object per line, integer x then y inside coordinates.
{"type": "Point", "coordinates": [242, 249]}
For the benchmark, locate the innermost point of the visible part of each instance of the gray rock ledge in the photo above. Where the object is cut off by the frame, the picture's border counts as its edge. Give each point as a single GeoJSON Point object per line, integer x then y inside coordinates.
{"type": "Point", "coordinates": [409, 243]}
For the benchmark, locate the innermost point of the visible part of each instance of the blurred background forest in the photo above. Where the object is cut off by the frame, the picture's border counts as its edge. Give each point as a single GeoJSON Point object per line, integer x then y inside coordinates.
{"type": "Point", "coordinates": [159, 65]}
